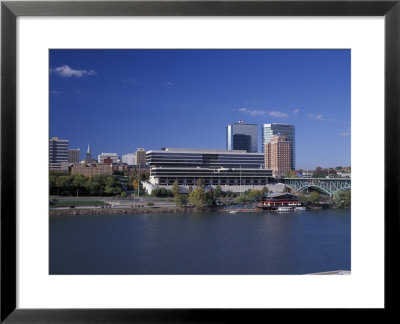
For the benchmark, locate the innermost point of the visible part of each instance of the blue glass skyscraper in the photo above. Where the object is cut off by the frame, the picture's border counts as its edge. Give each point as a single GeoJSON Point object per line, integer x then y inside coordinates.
{"type": "Point", "coordinates": [242, 136]}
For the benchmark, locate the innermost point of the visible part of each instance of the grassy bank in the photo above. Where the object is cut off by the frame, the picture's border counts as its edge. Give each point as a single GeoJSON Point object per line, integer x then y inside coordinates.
{"type": "Point", "coordinates": [65, 203]}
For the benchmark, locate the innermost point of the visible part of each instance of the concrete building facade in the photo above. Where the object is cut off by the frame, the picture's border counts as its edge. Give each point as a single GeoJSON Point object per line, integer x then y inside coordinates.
{"type": "Point", "coordinates": [215, 167]}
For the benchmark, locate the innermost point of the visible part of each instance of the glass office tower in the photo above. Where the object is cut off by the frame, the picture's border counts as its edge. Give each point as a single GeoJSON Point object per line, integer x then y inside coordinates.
{"type": "Point", "coordinates": [269, 130]}
{"type": "Point", "coordinates": [242, 136]}
{"type": "Point", "coordinates": [58, 152]}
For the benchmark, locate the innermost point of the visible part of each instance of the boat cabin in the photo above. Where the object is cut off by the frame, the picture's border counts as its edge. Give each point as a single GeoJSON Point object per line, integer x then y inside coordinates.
{"type": "Point", "coordinates": [275, 200]}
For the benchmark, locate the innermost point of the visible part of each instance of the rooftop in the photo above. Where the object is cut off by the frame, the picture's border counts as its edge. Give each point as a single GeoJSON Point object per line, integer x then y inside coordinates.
{"type": "Point", "coordinates": [211, 151]}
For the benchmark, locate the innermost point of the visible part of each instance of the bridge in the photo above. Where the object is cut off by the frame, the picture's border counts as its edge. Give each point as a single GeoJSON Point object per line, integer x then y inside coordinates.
{"type": "Point", "coordinates": [328, 185]}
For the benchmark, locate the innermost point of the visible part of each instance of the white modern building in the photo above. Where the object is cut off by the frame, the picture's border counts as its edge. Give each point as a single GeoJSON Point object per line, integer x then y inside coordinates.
{"type": "Point", "coordinates": [113, 156]}
{"type": "Point", "coordinates": [215, 167]}
{"type": "Point", "coordinates": [129, 158]}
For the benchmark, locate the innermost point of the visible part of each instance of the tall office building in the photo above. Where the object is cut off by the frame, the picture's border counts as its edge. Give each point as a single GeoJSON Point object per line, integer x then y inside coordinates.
{"type": "Point", "coordinates": [140, 157]}
{"type": "Point", "coordinates": [269, 130]}
{"type": "Point", "coordinates": [242, 136]}
{"type": "Point", "coordinates": [58, 153]}
{"type": "Point", "coordinates": [277, 154]}
{"type": "Point", "coordinates": [74, 155]}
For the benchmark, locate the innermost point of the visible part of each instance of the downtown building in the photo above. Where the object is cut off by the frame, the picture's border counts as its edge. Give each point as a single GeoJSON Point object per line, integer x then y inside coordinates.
{"type": "Point", "coordinates": [58, 154]}
{"type": "Point", "coordinates": [140, 157]}
{"type": "Point", "coordinates": [268, 131]}
{"type": "Point", "coordinates": [242, 136]}
{"type": "Point", "coordinates": [215, 167]}
{"type": "Point", "coordinates": [137, 159]}
{"type": "Point", "coordinates": [103, 156]}
{"type": "Point", "coordinates": [74, 155]}
{"type": "Point", "coordinates": [129, 158]}
{"type": "Point", "coordinates": [90, 167]}
{"type": "Point", "coordinates": [278, 155]}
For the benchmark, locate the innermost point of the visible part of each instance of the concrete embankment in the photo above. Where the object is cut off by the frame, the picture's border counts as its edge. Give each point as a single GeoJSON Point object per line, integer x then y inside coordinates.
{"type": "Point", "coordinates": [115, 211]}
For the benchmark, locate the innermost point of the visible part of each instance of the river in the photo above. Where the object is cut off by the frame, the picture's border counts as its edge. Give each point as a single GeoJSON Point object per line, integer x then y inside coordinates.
{"type": "Point", "coordinates": [201, 243]}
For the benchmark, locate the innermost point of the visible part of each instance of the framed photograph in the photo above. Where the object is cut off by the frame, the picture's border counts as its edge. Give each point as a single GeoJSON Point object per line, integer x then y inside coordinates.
{"type": "Point", "coordinates": [197, 160]}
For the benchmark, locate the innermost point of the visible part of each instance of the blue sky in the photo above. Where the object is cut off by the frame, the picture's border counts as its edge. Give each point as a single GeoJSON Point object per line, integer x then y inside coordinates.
{"type": "Point", "coordinates": [118, 100]}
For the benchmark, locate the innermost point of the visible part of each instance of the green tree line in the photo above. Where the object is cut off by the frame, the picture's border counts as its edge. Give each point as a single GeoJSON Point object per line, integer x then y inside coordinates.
{"type": "Point", "coordinates": [78, 184]}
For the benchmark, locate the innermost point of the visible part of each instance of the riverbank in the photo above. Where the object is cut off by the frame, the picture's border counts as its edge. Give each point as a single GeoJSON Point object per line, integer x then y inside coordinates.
{"type": "Point", "coordinates": [154, 210]}
{"type": "Point", "coordinates": [115, 211]}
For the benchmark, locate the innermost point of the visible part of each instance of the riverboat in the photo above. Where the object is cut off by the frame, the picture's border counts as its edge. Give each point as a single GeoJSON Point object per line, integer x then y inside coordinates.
{"type": "Point", "coordinates": [273, 201]}
{"type": "Point", "coordinates": [284, 209]}
{"type": "Point", "coordinates": [300, 208]}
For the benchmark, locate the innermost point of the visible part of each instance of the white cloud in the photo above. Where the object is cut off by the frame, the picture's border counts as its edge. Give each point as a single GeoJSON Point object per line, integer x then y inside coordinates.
{"type": "Point", "coordinates": [252, 112]}
{"type": "Point", "coordinates": [278, 114]}
{"type": "Point", "coordinates": [320, 117]}
{"type": "Point", "coordinates": [317, 117]}
{"type": "Point", "coordinates": [296, 111]}
{"type": "Point", "coordinates": [67, 72]}
{"type": "Point", "coordinates": [170, 83]}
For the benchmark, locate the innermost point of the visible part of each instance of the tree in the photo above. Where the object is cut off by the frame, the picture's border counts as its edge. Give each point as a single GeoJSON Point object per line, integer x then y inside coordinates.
{"type": "Point", "coordinates": [78, 182]}
{"type": "Point", "coordinates": [123, 194]}
{"type": "Point", "coordinates": [210, 198]}
{"type": "Point", "coordinates": [218, 191]}
{"type": "Point", "coordinates": [113, 186]}
{"type": "Point", "coordinates": [200, 182]}
{"type": "Point", "coordinates": [96, 185]}
{"type": "Point", "coordinates": [64, 183]}
{"type": "Point", "coordinates": [314, 198]}
{"type": "Point", "coordinates": [160, 192]}
{"type": "Point", "coordinates": [179, 199]}
{"type": "Point", "coordinates": [53, 185]}
{"type": "Point", "coordinates": [320, 173]}
{"type": "Point", "coordinates": [135, 184]}
{"type": "Point", "coordinates": [175, 188]}
{"type": "Point", "coordinates": [291, 174]}
{"type": "Point", "coordinates": [342, 199]}
{"type": "Point", "coordinates": [254, 195]}
{"type": "Point", "coordinates": [198, 197]}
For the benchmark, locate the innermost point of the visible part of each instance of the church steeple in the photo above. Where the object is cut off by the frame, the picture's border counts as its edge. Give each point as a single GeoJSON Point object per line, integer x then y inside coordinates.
{"type": "Point", "coordinates": [88, 154]}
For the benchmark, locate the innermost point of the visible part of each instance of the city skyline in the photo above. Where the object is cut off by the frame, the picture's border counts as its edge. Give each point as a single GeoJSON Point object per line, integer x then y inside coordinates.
{"type": "Point", "coordinates": [120, 100]}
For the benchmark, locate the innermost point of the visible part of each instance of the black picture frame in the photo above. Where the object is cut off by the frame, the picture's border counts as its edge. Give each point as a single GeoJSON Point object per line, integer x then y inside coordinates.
{"type": "Point", "coordinates": [10, 10]}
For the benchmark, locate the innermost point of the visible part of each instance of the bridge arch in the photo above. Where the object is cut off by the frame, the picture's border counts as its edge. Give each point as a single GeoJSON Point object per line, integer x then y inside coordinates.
{"type": "Point", "coordinates": [327, 185]}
